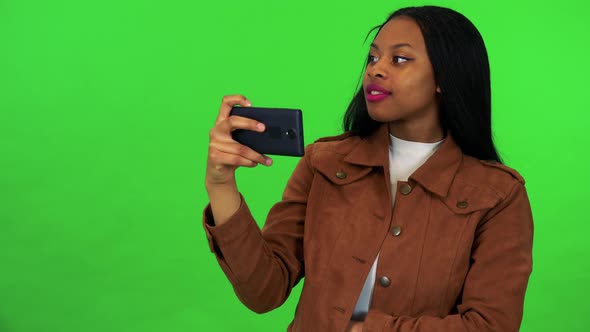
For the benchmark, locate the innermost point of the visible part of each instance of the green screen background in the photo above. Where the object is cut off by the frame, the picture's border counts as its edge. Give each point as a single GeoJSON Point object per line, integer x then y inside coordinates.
{"type": "Point", "coordinates": [105, 109]}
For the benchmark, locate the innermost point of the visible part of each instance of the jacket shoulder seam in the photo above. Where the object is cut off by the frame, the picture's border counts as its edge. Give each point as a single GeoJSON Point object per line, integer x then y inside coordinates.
{"type": "Point", "coordinates": [511, 179]}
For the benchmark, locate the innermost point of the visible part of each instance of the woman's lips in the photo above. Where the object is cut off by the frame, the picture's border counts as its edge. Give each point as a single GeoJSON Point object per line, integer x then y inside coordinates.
{"type": "Point", "coordinates": [375, 93]}
{"type": "Point", "coordinates": [375, 98]}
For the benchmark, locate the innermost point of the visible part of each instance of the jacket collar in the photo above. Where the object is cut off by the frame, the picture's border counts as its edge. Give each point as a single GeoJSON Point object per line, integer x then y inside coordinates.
{"type": "Point", "coordinates": [436, 174]}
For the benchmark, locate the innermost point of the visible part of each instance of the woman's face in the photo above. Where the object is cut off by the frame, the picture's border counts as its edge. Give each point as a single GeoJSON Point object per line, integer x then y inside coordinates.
{"type": "Point", "coordinates": [399, 81]}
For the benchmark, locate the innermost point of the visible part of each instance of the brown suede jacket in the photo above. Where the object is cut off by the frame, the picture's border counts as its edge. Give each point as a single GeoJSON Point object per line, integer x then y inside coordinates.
{"type": "Point", "coordinates": [455, 251]}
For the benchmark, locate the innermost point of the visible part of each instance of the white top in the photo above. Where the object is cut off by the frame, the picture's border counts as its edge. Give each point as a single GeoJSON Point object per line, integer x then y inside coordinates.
{"type": "Point", "coordinates": [405, 157]}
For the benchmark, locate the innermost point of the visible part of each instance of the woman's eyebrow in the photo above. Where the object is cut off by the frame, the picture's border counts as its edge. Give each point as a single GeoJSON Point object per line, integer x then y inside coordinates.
{"type": "Point", "coordinates": [392, 47]}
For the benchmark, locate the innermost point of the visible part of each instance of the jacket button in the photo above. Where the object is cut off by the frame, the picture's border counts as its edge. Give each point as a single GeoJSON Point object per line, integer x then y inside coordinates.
{"type": "Point", "coordinates": [462, 204]}
{"type": "Point", "coordinates": [396, 230]}
{"type": "Point", "coordinates": [341, 175]}
{"type": "Point", "coordinates": [406, 189]}
{"type": "Point", "coordinates": [384, 281]}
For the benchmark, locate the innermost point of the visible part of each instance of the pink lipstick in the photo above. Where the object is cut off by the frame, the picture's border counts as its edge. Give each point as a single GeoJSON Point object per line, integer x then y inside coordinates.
{"type": "Point", "coordinates": [375, 93]}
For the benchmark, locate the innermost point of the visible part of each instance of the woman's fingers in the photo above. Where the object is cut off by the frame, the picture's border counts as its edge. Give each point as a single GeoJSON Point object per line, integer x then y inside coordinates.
{"type": "Point", "coordinates": [238, 122]}
{"type": "Point", "coordinates": [242, 151]}
{"type": "Point", "coordinates": [228, 102]}
{"type": "Point", "coordinates": [221, 139]}
{"type": "Point", "coordinates": [225, 154]}
{"type": "Point", "coordinates": [221, 166]}
{"type": "Point", "coordinates": [220, 159]}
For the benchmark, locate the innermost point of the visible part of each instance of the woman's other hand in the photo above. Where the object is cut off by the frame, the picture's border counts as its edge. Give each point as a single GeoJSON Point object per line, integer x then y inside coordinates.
{"type": "Point", "coordinates": [354, 326]}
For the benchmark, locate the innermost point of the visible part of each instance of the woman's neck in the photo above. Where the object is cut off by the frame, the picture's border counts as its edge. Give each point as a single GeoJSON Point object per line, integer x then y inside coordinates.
{"type": "Point", "coordinates": [416, 132]}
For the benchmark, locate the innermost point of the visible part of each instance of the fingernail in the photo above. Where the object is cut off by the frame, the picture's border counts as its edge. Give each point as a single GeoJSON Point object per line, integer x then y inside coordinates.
{"type": "Point", "coordinates": [260, 126]}
{"type": "Point", "coordinates": [248, 103]}
{"type": "Point", "coordinates": [268, 162]}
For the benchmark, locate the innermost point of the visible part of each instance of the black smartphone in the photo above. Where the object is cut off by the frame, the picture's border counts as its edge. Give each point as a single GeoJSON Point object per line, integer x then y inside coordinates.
{"type": "Point", "coordinates": [283, 135]}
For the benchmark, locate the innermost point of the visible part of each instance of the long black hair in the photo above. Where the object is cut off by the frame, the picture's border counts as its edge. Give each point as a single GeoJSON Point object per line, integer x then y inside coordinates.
{"type": "Point", "coordinates": [461, 69]}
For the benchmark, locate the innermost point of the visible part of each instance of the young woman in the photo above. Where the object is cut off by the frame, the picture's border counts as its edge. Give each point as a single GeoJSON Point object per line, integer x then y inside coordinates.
{"type": "Point", "coordinates": [406, 222]}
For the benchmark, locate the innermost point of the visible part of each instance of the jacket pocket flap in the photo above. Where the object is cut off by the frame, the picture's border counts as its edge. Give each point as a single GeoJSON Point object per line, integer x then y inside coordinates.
{"type": "Point", "coordinates": [339, 172]}
{"type": "Point", "coordinates": [464, 198]}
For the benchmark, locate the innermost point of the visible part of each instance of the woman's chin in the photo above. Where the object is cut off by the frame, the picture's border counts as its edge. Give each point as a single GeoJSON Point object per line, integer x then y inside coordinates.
{"type": "Point", "coordinates": [381, 116]}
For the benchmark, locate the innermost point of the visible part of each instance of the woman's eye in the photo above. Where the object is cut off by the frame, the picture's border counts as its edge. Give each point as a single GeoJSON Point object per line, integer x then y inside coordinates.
{"type": "Point", "coordinates": [399, 59]}
{"type": "Point", "coordinates": [372, 59]}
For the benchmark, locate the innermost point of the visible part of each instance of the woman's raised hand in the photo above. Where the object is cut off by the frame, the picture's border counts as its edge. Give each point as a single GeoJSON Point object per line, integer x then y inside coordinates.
{"type": "Point", "coordinates": [225, 154]}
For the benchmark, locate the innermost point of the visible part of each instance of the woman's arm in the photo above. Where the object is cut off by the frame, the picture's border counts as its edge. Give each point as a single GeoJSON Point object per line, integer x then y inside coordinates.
{"type": "Point", "coordinates": [225, 155]}
{"type": "Point", "coordinates": [494, 289]}
{"type": "Point", "coordinates": [263, 266]}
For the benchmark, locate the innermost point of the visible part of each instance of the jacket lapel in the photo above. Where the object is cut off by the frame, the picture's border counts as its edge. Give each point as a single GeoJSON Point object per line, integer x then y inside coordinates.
{"type": "Point", "coordinates": [372, 150]}
{"type": "Point", "coordinates": [436, 174]}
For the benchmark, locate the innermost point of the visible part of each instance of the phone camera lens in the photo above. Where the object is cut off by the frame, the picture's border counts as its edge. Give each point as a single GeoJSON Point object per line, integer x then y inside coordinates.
{"type": "Point", "coordinates": [290, 133]}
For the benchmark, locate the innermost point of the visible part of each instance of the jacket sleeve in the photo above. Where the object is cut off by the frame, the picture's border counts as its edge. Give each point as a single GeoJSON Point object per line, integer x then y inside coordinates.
{"type": "Point", "coordinates": [494, 288]}
{"type": "Point", "coordinates": [264, 265]}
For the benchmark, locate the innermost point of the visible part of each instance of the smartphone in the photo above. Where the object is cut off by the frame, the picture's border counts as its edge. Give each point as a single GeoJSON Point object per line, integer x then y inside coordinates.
{"type": "Point", "coordinates": [283, 135]}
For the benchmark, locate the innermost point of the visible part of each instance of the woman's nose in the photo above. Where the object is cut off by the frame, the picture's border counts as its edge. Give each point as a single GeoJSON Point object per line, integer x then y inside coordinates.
{"type": "Point", "coordinates": [376, 70]}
